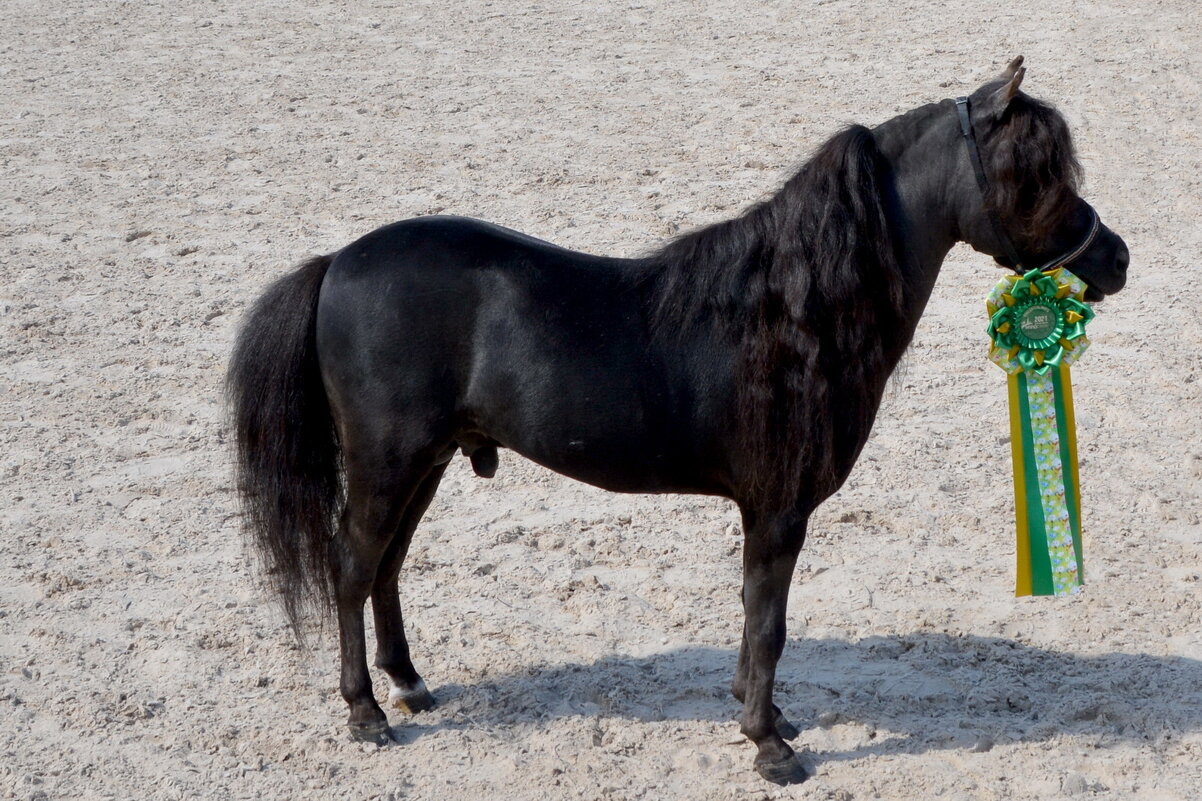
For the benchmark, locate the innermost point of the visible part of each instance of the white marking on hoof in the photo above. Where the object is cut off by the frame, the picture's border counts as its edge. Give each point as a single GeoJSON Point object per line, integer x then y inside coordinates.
{"type": "Point", "coordinates": [399, 697]}
{"type": "Point", "coordinates": [396, 691]}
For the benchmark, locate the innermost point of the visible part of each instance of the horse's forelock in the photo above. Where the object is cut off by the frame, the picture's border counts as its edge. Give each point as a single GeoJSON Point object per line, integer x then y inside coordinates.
{"type": "Point", "coordinates": [1033, 170]}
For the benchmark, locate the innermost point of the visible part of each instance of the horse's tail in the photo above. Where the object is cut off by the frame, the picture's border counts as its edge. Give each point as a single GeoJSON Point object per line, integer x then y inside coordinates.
{"type": "Point", "coordinates": [287, 453]}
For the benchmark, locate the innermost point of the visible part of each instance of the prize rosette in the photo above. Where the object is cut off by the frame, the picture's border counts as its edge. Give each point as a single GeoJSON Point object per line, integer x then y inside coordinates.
{"type": "Point", "coordinates": [1037, 327]}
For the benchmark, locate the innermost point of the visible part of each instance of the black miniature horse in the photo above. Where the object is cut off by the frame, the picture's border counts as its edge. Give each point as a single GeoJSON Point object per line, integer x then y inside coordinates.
{"type": "Point", "coordinates": [744, 360]}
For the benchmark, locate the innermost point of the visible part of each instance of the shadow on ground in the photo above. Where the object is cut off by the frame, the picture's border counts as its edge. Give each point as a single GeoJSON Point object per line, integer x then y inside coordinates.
{"type": "Point", "coordinates": [910, 693]}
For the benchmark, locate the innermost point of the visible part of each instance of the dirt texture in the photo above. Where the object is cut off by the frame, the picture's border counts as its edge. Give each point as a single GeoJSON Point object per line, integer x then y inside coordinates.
{"type": "Point", "coordinates": [163, 162]}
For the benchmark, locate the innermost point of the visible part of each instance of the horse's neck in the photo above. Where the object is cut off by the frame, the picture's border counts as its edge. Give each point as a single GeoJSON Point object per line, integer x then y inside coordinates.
{"type": "Point", "coordinates": [923, 168]}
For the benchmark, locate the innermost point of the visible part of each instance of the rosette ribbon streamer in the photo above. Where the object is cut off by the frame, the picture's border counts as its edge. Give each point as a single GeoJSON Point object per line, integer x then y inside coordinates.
{"type": "Point", "coordinates": [1037, 327]}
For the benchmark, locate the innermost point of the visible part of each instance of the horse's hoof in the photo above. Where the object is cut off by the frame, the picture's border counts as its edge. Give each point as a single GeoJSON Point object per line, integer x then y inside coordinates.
{"type": "Point", "coordinates": [785, 771]}
{"type": "Point", "coordinates": [375, 732]}
{"type": "Point", "coordinates": [412, 701]}
{"type": "Point", "coordinates": [785, 729]}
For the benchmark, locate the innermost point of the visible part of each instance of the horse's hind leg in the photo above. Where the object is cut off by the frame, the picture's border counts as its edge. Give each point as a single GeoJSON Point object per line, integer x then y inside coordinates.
{"type": "Point", "coordinates": [408, 692]}
{"type": "Point", "coordinates": [378, 491]}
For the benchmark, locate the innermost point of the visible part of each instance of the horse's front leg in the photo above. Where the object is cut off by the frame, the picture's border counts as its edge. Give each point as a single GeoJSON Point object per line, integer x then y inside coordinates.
{"type": "Point", "coordinates": [738, 689]}
{"type": "Point", "coordinates": [770, 551]}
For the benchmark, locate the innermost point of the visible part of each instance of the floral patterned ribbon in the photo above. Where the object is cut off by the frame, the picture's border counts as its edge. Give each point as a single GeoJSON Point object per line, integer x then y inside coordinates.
{"type": "Point", "coordinates": [1037, 327]}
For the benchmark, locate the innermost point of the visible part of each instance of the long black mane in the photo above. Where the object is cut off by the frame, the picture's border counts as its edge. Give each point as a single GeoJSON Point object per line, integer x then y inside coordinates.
{"type": "Point", "coordinates": [810, 284]}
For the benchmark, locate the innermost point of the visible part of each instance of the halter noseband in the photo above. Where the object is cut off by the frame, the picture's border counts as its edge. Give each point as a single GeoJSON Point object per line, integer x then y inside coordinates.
{"type": "Point", "coordinates": [974, 155]}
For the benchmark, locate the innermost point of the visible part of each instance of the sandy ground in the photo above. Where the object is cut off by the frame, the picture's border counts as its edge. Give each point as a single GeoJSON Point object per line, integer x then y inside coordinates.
{"type": "Point", "coordinates": [163, 162]}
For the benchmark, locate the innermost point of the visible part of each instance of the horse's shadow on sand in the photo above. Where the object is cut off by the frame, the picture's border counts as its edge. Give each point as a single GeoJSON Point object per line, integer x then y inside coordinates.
{"type": "Point", "coordinates": [909, 693]}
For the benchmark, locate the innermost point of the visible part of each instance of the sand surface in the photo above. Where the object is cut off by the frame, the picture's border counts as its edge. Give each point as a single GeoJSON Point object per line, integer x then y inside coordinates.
{"type": "Point", "coordinates": [163, 162]}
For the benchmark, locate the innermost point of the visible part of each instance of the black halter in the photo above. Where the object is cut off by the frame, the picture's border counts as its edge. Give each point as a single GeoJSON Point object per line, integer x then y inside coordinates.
{"type": "Point", "coordinates": [974, 155]}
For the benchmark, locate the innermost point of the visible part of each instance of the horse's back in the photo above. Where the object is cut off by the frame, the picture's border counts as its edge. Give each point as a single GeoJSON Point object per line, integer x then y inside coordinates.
{"type": "Point", "coordinates": [438, 237]}
{"type": "Point", "coordinates": [425, 278]}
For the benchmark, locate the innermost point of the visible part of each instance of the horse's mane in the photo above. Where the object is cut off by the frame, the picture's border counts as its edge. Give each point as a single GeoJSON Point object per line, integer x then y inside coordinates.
{"type": "Point", "coordinates": [1033, 170]}
{"type": "Point", "coordinates": [809, 284]}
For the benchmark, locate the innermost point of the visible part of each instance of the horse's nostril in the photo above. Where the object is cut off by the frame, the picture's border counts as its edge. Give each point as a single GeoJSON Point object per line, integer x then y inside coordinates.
{"type": "Point", "coordinates": [1122, 258]}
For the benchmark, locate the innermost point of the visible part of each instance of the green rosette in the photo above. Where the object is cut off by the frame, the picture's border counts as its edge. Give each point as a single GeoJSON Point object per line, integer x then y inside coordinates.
{"type": "Point", "coordinates": [1037, 329]}
{"type": "Point", "coordinates": [1037, 321]}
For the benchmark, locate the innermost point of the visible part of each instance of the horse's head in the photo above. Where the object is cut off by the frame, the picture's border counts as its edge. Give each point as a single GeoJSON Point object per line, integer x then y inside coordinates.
{"type": "Point", "coordinates": [1018, 199]}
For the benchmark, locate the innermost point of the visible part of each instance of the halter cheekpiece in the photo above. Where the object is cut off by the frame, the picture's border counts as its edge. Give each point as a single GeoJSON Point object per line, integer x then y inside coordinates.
{"type": "Point", "coordinates": [974, 155]}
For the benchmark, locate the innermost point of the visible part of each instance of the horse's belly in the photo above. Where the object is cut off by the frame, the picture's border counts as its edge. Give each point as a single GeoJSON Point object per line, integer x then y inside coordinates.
{"type": "Point", "coordinates": [612, 463]}
{"type": "Point", "coordinates": [607, 436]}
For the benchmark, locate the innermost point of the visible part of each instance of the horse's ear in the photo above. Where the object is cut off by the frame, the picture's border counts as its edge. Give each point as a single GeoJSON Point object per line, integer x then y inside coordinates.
{"type": "Point", "coordinates": [1013, 77]}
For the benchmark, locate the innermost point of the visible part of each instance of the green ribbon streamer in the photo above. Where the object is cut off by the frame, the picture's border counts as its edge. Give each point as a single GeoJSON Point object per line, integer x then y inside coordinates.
{"type": "Point", "coordinates": [1037, 327]}
{"type": "Point", "coordinates": [1069, 459]}
{"type": "Point", "coordinates": [1046, 409]}
{"type": "Point", "coordinates": [1041, 563]}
